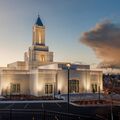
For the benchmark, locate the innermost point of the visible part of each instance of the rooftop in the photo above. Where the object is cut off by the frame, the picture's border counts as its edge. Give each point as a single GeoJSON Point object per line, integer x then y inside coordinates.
{"type": "Point", "coordinates": [39, 22]}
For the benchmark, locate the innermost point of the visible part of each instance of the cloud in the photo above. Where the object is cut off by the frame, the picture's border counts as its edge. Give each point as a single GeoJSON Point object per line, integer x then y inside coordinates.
{"type": "Point", "coordinates": [104, 39]}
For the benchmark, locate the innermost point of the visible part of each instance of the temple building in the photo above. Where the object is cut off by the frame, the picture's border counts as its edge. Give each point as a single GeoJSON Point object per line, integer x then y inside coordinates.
{"type": "Point", "coordinates": [39, 75]}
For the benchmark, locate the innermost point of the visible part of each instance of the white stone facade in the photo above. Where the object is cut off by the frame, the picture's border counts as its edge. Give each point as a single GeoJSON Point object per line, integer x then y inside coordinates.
{"type": "Point", "coordinates": [38, 75]}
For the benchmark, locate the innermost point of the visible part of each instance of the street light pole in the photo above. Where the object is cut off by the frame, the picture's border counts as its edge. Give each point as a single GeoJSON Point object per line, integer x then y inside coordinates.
{"type": "Point", "coordinates": [68, 88]}
{"type": "Point", "coordinates": [99, 93]}
{"type": "Point", "coordinates": [68, 68]}
{"type": "Point", "coordinates": [111, 107]}
{"type": "Point", "coordinates": [99, 88]}
{"type": "Point", "coordinates": [112, 101]}
{"type": "Point", "coordinates": [54, 90]}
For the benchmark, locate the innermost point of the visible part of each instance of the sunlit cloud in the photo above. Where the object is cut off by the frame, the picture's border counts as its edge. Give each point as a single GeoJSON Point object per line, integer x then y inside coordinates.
{"type": "Point", "coordinates": [104, 39]}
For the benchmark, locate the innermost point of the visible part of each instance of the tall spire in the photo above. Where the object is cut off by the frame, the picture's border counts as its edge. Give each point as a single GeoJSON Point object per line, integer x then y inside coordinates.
{"type": "Point", "coordinates": [39, 22]}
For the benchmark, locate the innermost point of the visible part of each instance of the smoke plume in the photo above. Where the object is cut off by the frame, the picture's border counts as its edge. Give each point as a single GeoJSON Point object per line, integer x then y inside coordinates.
{"type": "Point", "coordinates": [104, 39]}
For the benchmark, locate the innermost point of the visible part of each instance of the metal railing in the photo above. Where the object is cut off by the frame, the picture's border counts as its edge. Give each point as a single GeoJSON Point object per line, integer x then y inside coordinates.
{"type": "Point", "coordinates": [22, 114]}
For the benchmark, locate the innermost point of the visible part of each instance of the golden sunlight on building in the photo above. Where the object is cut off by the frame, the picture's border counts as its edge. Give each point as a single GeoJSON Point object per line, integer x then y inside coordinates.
{"type": "Point", "coordinates": [39, 75]}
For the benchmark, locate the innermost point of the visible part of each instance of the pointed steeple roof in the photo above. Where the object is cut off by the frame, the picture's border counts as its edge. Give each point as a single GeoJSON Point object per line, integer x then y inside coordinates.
{"type": "Point", "coordinates": [39, 22]}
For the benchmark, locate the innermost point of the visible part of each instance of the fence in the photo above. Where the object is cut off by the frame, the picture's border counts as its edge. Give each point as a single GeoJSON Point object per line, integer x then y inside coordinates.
{"type": "Point", "coordinates": [23, 114]}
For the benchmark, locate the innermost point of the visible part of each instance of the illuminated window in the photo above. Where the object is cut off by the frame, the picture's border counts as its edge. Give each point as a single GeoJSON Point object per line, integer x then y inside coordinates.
{"type": "Point", "coordinates": [48, 89]}
{"type": "Point", "coordinates": [43, 58]}
{"type": "Point", "coordinates": [94, 88]}
{"type": "Point", "coordinates": [74, 86]}
{"type": "Point", "coordinates": [39, 37]}
{"type": "Point", "coordinates": [15, 88]}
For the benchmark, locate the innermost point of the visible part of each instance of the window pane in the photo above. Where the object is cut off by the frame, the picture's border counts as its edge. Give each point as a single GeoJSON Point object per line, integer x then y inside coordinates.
{"type": "Point", "coordinates": [48, 89]}
{"type": "Point", "coordinates": [15, 88]}
{"type": "Point", "coordinates": [18, 88]}
{"type": "Point", "coordinates": [73, 86]}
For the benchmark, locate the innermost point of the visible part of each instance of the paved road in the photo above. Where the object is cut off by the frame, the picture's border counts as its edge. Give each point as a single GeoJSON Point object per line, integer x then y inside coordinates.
{"type": "Point", "coordinates": [101, 112]}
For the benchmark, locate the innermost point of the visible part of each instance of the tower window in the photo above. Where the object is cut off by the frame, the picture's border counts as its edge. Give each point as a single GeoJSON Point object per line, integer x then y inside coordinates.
{"type": "Point", "coordinates": [39, 37]}
{"type": "Point", "coordinates": [42, 58]}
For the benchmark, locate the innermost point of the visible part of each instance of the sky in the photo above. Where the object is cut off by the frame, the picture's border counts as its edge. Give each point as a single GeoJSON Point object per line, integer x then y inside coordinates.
{"type": "Point", "coordinates": [65, 22]}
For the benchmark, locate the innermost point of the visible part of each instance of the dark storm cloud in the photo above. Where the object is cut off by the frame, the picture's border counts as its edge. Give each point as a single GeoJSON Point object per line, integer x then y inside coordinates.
{"type": "Point", "coordinates": [104, 39]}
